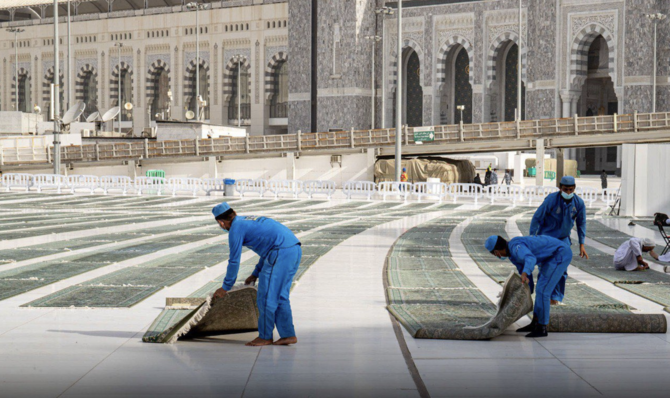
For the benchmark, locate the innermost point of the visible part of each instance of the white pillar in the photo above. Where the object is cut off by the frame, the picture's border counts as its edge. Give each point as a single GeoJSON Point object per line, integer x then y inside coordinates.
{"type": "Point", "coordinates": [518, 169]}
{"type": "Point", "coordinates": [539, 162]}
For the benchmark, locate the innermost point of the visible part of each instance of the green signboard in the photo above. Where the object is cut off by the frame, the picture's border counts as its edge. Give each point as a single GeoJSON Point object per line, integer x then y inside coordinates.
{"type": "Point", "coordinates": [424, 134]}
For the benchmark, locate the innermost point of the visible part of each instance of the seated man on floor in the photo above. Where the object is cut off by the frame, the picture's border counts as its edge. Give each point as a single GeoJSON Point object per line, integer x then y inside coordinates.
{"type": "Point", "coordinates": [661, 219]}
{"type": "Point", "coordinates": [628, 256]}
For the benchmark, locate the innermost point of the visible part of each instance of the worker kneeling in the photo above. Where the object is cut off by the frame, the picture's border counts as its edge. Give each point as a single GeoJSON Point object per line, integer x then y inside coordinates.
{"type": "Point", "coordinates": [552, 255]}
{"type": "Point", "coordinates": [280, 252]}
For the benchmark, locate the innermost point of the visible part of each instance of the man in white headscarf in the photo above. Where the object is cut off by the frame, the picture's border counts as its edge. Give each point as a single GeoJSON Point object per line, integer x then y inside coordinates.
{"type": "Point", "coordinates": [628, 256]}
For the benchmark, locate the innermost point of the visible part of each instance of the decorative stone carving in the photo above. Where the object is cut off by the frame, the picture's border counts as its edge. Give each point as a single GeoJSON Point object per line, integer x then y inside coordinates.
{"type": "Point", "coordinates": [608, 20]}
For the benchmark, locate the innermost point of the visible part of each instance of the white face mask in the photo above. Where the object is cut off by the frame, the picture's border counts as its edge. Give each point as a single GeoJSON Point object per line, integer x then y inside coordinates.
{"type": "Point", "coordinates": [567, 196]}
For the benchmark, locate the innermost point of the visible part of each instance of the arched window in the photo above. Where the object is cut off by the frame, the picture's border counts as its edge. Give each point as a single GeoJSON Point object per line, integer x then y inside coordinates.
{"type": "Point", "coordinates": [126, 88]}
{"type": "Point", "coordinates": [241, 76]}
{"type": "Point", "coordinates": [279, 101]}
{"type": "Point", "coordinates": [24, 93]}
{"type": "Point", "coordinates": [90, 94]}
{"type": "Point", "coordinates": [161, 102]}
{"type": "Point", "coordinates": [204, 91]}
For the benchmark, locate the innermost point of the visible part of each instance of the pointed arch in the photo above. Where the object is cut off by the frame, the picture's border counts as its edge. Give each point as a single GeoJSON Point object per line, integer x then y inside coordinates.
{"type": "Point", "coordinates": [271, 69]}
{"type": "Point", "coordinates": [498, 45]}
{"type": "Point", "coordinates": [24, 76]}
{"type": "Point", "coordinates": [443, 54]}
{"type": "Point", "coordinates": [153, 75]}
{"type": "Point", "coordinates": [393, 67]}
{"type": "Point", "coordinates": [46, 87]}
{"type": "Point", "coordinates": [579, 53]}
{"type": "Point", "coordinates": [114, 81]}
{"type": "Point", "coordinates": [228, 77]}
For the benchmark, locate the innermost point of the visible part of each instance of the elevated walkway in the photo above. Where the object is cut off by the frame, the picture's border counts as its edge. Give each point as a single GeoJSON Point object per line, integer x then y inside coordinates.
{"type": "Point", "coordinates": [448, 139]}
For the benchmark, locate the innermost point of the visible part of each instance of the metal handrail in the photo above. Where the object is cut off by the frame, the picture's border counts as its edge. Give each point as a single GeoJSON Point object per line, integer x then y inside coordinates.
{"type": "Point", "coordinates": [527, 129]}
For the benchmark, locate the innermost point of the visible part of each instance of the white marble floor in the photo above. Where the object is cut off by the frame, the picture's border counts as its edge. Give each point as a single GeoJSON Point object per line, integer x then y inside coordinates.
{"type": "Point", "coordinates": [347, 347]}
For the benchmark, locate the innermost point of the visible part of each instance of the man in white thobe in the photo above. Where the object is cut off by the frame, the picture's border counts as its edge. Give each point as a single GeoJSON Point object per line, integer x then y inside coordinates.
{"type": "Point", "coordinates": [628, 256]}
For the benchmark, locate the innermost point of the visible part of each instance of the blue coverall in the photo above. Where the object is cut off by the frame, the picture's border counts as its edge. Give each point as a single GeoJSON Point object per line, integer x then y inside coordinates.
{"type": "Point", "coordinates": [555, 218]}
{"type": "Point", "coordinates": [280, 252]}
{"type": "Point", "coordinates": [552, 255]}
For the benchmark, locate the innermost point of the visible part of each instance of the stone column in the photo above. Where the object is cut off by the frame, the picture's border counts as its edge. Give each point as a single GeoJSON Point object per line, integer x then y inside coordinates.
{"type": "Point", "coordinates": [539, 162]}
{"type": "Point", "coordinates": [560, 165]}
{"type": "Point", "coordinates": [569, 100]}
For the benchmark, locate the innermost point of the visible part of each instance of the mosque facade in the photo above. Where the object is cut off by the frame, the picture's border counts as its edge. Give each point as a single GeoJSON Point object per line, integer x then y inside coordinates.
{"type": "Point", "coordinates": [307, 65]}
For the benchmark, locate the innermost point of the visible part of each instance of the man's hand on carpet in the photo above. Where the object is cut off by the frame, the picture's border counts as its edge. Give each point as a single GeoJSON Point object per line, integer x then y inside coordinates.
{"type": "Point", "coordinates": [582, 252]}
{"type": "Point", "coordinates": [219, 293]}
{"type": "Point", "coordinates": [251, 280]}
{"type": "Point", "coordinates": [524, 278]}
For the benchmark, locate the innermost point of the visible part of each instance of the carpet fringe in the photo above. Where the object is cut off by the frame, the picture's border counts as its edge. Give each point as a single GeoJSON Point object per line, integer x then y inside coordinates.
{"type": "Point", "coordinates": [207, 305]}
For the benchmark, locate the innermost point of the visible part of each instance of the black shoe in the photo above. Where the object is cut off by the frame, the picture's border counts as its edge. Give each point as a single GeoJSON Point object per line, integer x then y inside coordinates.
{"type": "Point", "coordinates": [540, 331]}
{"type": "Point", "coordinates": [528, 328]}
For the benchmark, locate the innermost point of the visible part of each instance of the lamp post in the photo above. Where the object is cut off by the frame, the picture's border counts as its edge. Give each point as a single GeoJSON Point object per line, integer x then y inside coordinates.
{"type": "Point", "coordinates": [655, 18]}
{"type": "Point", "coordinates": [461, 108]}
{"type": "Point", "coordinates": [16, 32]}
{"type": "Point", "coordinates": [197, 6]}
{"type": "Point", "coordinates": [56, 100]}
{"type": "Point", "coordinates": [384, 11]}
{"type": "Point", "coordinates": [69, 59]}
{"type": "Point", "coordinates": [119, 45]}
{"type": "Point", "coordinates": [398, 106]}
{"type": "Point", "coordinates": [519, 105]}
{"type": "Point", "coordinates": [238, 59]}
{"type": "Point", "coordinates": [375, 40]}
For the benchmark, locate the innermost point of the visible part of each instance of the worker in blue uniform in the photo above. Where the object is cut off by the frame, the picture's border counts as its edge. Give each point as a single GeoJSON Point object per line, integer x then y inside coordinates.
{"type": "Point", "coordinates": [280, 252]}
{"type": "Point", "coordinates": [556, 217]}
{"type": "Point", "coordinates": [553, 257]}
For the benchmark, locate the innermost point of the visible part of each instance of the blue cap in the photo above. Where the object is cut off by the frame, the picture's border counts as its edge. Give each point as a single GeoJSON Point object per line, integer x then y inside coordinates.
{"type": "Point", "coordinates": [404, 169]}
{"type": "Point", "coordinates": [220, 209]}
{"type": "Point", "coordinates": [491, 242]}
{"type": "Point", "coordinates": [568, 180]}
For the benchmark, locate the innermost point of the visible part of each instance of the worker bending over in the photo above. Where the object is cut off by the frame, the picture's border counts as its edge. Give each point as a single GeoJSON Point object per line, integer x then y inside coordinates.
{"type": "Point", "coordinates": [628, 256]}
{"type": "Point", "coordinates": [280, 252]}
{"type": "Point", "coordinates": [556, 217]}
{"type": "Point", "coordinates": [552, 255]}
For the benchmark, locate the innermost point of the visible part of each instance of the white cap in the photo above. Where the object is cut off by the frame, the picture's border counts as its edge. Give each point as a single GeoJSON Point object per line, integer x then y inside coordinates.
{"type": "Point", "coordinates": [646, 242]}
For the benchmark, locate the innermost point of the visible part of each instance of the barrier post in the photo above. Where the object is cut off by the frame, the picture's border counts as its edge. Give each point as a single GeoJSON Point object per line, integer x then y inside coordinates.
{"type": "Point", "coordinates": [576, 123]}
{"type": "Point", "coordinates": [97, 151]}
{"type": "Point", "coordinates": [197, 148]}
{"type": "Point", "coordinates": [299, 140]}
{"type": "Point", "coordinates": [146, 148]}
{"type": "Point", "coordinates": [246, 143]}
{"type": "Point", "coordinates": [353, 144]}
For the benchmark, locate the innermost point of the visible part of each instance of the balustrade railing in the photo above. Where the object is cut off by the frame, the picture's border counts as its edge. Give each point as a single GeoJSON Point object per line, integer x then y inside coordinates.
{"type": "Point", "coordinates": [527, 129]}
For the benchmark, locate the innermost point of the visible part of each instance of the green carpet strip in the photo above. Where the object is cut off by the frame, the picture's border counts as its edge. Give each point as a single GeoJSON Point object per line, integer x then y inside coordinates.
{"type": "Point", "coordinates": [652, 285]}
{"type": "Point", "coordinates": [426, 291]}
{"type": "Point", "coordinates": [23, 279]}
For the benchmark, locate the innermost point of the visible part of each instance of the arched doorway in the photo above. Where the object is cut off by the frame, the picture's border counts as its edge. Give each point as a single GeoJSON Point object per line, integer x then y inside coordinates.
{"type": "Point", "coordinates": [511, 84]}
{"type": "Point", "coordinates": [598, 98]}
{"type": "Point", "coordinates": [457, 89]}
{"type": "Point", "coordinates": [413, 91]}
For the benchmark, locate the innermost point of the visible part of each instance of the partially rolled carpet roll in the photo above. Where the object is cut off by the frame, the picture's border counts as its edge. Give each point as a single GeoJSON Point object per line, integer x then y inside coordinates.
{"type": "Point", "coordinates": [608, 323]}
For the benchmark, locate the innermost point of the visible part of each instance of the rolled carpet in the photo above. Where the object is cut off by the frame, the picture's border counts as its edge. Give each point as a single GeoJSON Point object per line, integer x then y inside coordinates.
{"type": "Point", "coordinates": [235, 313]}
{"type": "Point", "coordinates": [608, 323]}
